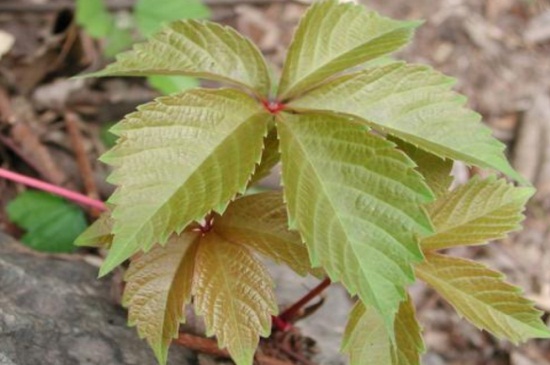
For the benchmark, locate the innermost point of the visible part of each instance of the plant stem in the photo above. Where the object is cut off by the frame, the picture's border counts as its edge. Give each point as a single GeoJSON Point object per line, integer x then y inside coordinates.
{"type": "Point", "coordinates": [290, 313]}
{"type": "Point", "coordinates": [41, 185]}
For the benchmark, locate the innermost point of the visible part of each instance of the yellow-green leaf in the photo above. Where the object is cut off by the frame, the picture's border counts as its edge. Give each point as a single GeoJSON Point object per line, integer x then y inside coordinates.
{"type": "Point", "coordinates": [333, 37]}
{"type": "Point", "coordinates": [158, 285]}
{"type": "Point", "coordinates": [260, 222]}
{"type": "Point", "coordinates": [356, 201]}
{"type": "Point", "coordinates": [481, 296]}
{"type": "Point", "coordinates": [476, 212]}
{"type": "Point", "coordinates": [416, 104]}
{"type": "Point", "coordinates": [177, 159]}
{"type": "Point", "coordinates": [270, 157]}
{"type": "Point", "coordinates": [436, 171]}
{"type": "Point", "coordinates": [98, 234]}
{"type": "Point", "coordinates": [196, 48]}
{"type": "Point", "coordinates": [367, 342]}
{"type": "Point", "coordinates": [234, 293]}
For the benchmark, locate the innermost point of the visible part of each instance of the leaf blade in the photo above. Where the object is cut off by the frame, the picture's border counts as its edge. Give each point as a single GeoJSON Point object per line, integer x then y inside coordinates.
{"type": "Point", "coordinates": [196, 48]}
{"type": "Point", "coordinates": [158, 285]}
{"type": "Point", "coordinates": [476, 212]}
{"type": "Point", "coordinates": [416, 104]}
{"type": "Point", "coordinates": [333, 37]}
{"type": "Point", "coordinates": [234, 293]}
{"type": "Point", "coordinates": [260, 222]}
{"type": "Point", "coordinates": [98, 234]}
{"type": "Point", "coordinates": [480, 295]}
{"type": "Point", "coordinates": [337, 177]}
{"type": "Point", "coordinates": [367, 342]}
{"type": "Point", "coordinates": [177, 159]}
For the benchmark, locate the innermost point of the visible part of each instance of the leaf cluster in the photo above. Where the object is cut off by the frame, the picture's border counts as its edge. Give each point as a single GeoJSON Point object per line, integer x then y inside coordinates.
{"type": "Point", "coordinates": [366, 149]}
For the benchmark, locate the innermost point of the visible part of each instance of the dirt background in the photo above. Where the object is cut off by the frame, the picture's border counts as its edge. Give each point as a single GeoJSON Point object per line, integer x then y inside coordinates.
{"type": "Point", "coordinates": [499, 50]}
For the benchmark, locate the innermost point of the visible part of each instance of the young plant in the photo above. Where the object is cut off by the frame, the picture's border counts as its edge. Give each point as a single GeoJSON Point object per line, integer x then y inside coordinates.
{"type": "Point", "coordinates": [366, 151]}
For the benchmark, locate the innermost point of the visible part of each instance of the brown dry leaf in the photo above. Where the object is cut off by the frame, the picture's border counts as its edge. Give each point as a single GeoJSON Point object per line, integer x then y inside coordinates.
{"type": "Point", "coordinates": [234, 292]}
{"type": "Point", "coordinates": [158, 286]}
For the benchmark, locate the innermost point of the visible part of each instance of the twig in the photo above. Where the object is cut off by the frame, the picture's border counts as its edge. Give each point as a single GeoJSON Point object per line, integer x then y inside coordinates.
{"type": "Point", "coordinates": [290, 313]}
{"type": "Point", "coordinates": [71, 121]}
{"type": "Point", "coordinates": [41, 185]}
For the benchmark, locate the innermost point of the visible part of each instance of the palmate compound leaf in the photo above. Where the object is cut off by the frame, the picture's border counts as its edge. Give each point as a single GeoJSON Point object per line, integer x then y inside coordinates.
{"type": "Point", "coordinates": [413, 103]}
{"type": "Point", "coordinates": [476, 212]}
{"type": "Point", "coordinates": [232, 290]}
{"type": "Point", "coordinates": [159, 285]}
{"type": "Point", "coordinates": [481, 296]}
{"type": "Point", "coordinates": [196, 48]}
{"type": "Point", "coordinates": [356, 201]}
{"type": "Point", "coordinates": [260, 222]}
{"type": "Point", "coordinates": [333, 37]}
{"type": "Point", "coordinates": [234, 293]}
{"type": "Point", "coordinates": [98, 234]}
{"type": "Point", "coordinates": [177, 159]}
{"type": "Point", "coordinates": [367, 342]}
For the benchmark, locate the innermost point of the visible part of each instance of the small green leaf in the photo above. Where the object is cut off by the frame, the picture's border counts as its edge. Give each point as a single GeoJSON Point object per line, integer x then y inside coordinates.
{"type": "Point", "coordinates": [177, 159]}
{"type": "Point", "coordinates": [118, 40]}
{"type": "Point", "coordinates": [172, 84]}
{"type": "Point", "coordinates": [234, 293]}
{"type": "Point", "coordinates": [415, 104]}
{"type": "Point", "coordinates": [196, 48]}
{"type": "Point", "coordinates": [98, 234]}
{"type": "Point", "coordinates": [260, 222]}
{"type": "Point", "coordinates": [333, 37]}
{"type": "Point", "coordinates": [367, 342]}
{"type": "Point", "coordinates": [109, 139]}
{"type": "Point", "coordinates": [52, 224]}
{"type": "Point", "coordinates": [158, 285]}
{"type": "Point", "coordinates": [356, 201]}
{"type": "Point", "coordinates": [152, 16]}
{"type": "Point", "coordinates": [474, 213]}
{"type": "Point", "coordinates": [93, 16]}
{"type": "Point", "coordinates": [481, 296]}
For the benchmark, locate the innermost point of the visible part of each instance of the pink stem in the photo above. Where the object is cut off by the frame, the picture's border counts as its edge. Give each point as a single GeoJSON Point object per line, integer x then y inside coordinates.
{"type": "Point", "coordinates": [40, 185]}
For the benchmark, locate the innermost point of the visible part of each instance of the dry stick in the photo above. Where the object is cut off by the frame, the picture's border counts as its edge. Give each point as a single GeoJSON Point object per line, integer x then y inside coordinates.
{"type": "Point", "coordinates": [290, 313]}
{"type": "Point", "coordinates": [71, 121]}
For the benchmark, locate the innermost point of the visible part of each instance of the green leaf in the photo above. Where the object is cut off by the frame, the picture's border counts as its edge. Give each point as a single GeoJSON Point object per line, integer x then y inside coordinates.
{"type": "Point", "coordinates": [158, 285]}
{"type": "Point", "coordinates": [119, 39]}
{"type": "Point", "coordinates": [414, 103]}
{"type": "Point", "coordinates": [98, 234]}
{"type": "Point", "coordinates": [234, 293]}
{"type": "Point", "coordinates": [151, 17]}
{"type": "Point", "coordinates": [356, 201]}
{"type": "Point", "coordinates": [367, 342]}
{"type": "Point", "coordinates": [52, 224]}
{"type": "Point", "coordinates": [260, 222]}
{"type": "Point", "coordinates": [270, 157]}
{"type": "Point", "coordinates": [476, 212]}
{"type": "Point", "coordinates": [481, 296]}
{"type": "Point", "coordinates": [333, 37]}
{"type": "Point", "coordinates": [172, 84]}
{"type": "Point", "coordinates": [436, 171]}
{"type": "Point", "coordinates": [196, 48]}
{"type": "Point", "coordinates": [93, 16]}
{"type": "Point", "coordinates": [177, 159]}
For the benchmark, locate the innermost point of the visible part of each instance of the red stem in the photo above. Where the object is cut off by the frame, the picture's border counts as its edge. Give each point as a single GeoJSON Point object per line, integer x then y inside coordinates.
{"type": "Point", "coordinates": [290, 313]}
{"type": "Point", "coordinates": [41, 185]}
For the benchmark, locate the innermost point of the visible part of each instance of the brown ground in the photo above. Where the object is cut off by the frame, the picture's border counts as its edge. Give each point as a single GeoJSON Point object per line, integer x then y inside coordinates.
{"type": "Point", "coordinates": [498, 49]}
